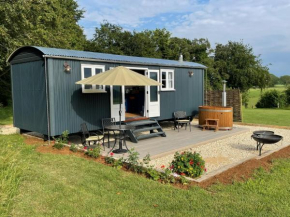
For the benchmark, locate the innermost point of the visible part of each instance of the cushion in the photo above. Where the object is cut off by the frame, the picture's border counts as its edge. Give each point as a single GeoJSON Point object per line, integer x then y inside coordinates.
{"type": "Point", "coordinates": [94, 138]}
{"type": "Point", "coordinates": [183, 121]}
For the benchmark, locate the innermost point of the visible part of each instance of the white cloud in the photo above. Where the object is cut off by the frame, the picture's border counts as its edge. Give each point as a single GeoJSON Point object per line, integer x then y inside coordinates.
{"type": "Point", "coordinates": [264, 24]}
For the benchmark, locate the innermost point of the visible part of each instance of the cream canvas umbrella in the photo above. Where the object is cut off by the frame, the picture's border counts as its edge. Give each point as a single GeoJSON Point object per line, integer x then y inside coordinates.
{"type": "Point", "coordinates": [119, 76]}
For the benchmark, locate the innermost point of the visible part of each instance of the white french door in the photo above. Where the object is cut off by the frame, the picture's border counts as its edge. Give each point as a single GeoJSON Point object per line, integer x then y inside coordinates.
{"type": "Point", "coordinates": [153, 97]}
{"type": "Point", "coordinates": [117, 98]}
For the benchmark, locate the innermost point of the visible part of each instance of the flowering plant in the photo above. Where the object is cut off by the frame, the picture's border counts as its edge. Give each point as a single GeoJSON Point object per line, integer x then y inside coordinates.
{"type": "Point", "coordinates": [188, 164]}
{"type": "Point", "coordinates": [93, 152]}
{"type": "Point", "coordinates": [110, 159]}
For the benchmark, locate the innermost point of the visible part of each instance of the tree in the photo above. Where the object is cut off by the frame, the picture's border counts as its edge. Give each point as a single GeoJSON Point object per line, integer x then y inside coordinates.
{"type": "Point", "coordinates": [274, 80]}
{"type": "Point", "coordinates": [236, 63]}
{"type": "Point", "coordinates": [51, 23]}
{"type": "Point", "coordinates": [287, 94]}
{"type": "Point", "coordinates": [285, 79]}
{"type": "Point", "coordinates": [271, 99]}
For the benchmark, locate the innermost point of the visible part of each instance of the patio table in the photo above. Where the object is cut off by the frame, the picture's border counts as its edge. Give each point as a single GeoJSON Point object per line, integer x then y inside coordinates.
{"type": "Point", "coordinates": [122, 136]}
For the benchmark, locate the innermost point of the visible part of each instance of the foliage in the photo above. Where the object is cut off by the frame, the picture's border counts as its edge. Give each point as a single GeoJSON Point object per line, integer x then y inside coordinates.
{"type": "Point", "coordinates": [271, 99]}
{"type": "Point", "coordinates": [236, 63]}
{"type": "Point", "coordinates": [94, 152]}
{"type": "Point", "coordinates": [183, 180]}
{"type": "Point", "coordinates": [287, 93]}
{"type": "Point", "coordinates": [188, 164]}
{"type": "Point", "coordinates": [285, 79]}
{"type": "Point", "coordinates": [73, 148]}
{"type": "Point", "coordinates": [6, 115]}
{"type": "Point", "coordinates": [153, 174]}
{"type": "Point", "coordinates": [118, 163]}
{"type": "Point", "coordinates": [110, 159]}
{"type": "Point", "coordinates": [62, 139]}
{"type": "Point", "coordinates": [245, 98]}
{"type": "Point", "coordinates": [166, 176]}
{"type": "Point", "coordinates": [58, 145]}
{"type": "Point", "coordinates": [132, 160]}
{"type": "Point", "coordinates": [274, 80]}
{"type": "Point", "coordinates": [51, 23]}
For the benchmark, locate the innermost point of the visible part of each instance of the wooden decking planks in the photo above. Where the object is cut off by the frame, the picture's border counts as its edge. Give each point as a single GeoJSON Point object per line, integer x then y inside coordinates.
{"type": "Point", "coordinates": [160, 146]}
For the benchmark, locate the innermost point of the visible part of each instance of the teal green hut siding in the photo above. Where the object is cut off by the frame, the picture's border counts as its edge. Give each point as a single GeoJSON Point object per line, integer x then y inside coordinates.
{"type": "Point", "coordinates": [47, 100]}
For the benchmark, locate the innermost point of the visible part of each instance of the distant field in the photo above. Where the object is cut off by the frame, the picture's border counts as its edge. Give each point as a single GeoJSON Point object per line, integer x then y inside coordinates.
{"type": "Point", "coordinates": [254, 94]}
{"type": "Point", "coordinates": [6, 115]}
{"type": "Point", "coordinates": [279, 117]}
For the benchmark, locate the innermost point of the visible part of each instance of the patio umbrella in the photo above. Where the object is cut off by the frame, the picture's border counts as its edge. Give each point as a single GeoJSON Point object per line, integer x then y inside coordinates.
{"type": "Point", "coordinates": [119, 76]}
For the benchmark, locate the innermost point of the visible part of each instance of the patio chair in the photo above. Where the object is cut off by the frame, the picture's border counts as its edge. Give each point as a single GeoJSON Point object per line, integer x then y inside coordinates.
{"type": "Point", "coordinates": [109, 122]}
{"type": "Point", "coordinates": [180, 119]}
{"type": "Point", "coordinates": [94, 137]}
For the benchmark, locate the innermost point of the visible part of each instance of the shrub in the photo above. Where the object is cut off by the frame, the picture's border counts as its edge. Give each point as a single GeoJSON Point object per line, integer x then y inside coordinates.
{"type": "Point", "coordinates": [188, 164]}
{"type": "Point", "coordinates": [110, 159]}
{"type": "Point", "coordinates": [61, 140]}
{"type": "Point", "coordinates": [132, 160]}
{"type": "Point", "coordinates": [118, 163]}
{"type": "Point", "coordinates": [271, 99]}
{"type": "Point", "coordinates": [94, 152]}
{"type": "Point", "coordinates": [73, 148]}
{"type": "Point", "coordinates": [287, 93]}
{"type": "Point", "coordinates": [153, 174]}
{"type": "Point", "coordinates": [166, 177]}
{"type": "Point", "coordinates": [58, 145]}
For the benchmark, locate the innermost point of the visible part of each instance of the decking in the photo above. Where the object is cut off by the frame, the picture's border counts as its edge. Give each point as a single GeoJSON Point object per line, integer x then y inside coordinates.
{"type": "Point", "coordinates": [178, 141]}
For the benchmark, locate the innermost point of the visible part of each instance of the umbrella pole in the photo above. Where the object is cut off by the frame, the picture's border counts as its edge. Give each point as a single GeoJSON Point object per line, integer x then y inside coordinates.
{"type": "Point", "coordinates": [120, 110]}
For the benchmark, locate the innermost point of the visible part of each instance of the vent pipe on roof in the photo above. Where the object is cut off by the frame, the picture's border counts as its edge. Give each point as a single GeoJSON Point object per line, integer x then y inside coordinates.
{"type": "Point", "coordinates": [180, 58]}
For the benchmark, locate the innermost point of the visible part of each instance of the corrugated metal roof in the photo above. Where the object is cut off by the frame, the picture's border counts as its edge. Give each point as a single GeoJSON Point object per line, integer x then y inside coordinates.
{"type": "Point", "coordinates": [56, 52]}
{"type": "Point", "coordinates": [115, 58]}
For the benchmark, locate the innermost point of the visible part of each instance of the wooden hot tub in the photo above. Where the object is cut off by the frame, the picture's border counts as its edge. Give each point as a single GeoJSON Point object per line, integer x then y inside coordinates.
{"type": "Point", "coordinates": [224, 114]}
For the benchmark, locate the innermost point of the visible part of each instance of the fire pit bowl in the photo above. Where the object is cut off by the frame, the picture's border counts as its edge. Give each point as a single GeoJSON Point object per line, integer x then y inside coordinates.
{"type": "Point", "coordinates": [263, 132]}
{"type": "Point", "coordinates": [265, 139]}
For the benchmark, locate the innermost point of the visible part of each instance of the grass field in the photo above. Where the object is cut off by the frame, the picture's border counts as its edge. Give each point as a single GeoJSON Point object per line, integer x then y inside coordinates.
{"type": "Point", "coordinates": [6, 115]}
{"type": "Point", "coordinates": [280, 117]}
{"type": "Point", "coordinates": [254, 94]}
{"type": "Point", "coordinates": [57, 185]}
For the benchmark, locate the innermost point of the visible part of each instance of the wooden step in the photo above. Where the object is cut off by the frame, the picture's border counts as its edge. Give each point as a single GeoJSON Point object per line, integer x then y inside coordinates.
{"type": "Point", "coordinates": [146, 129]}
{"type": "Point", "coordinates": [139, 123]}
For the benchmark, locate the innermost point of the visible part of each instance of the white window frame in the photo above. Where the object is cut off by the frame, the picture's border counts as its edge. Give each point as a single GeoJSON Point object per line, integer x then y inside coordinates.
{"type": "Point", "coordinates": [166, 88]}
{"type": "Point", "coordinates": [94, 89]}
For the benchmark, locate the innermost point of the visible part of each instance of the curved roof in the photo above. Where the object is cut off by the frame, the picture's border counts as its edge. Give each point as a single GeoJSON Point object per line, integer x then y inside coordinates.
{"type": "Point", "coordinates": [76, 54]}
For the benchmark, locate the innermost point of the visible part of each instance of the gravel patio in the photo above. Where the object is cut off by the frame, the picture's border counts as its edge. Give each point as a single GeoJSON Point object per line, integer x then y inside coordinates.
{"type": "Point", "coordinates": [220, 150]}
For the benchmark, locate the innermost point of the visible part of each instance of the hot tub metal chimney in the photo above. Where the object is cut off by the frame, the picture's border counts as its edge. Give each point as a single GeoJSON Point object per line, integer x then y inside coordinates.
{"type": "Point", "coordinates": [224, 94]}
{"type": "Point", "coordinates": [180, 58]}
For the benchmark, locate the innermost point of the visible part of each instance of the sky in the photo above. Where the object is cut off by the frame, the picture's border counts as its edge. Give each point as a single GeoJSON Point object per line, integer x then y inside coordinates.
{"type": "Point", "coordinates": [263, 24]}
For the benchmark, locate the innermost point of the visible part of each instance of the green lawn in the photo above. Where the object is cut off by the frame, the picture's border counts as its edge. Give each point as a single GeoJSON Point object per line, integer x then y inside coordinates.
{"type": "Point", "coordinates": [279, 117]}
{"type": "Point", "coordinates": [55, 185]}
{"type": "Point", "coordinates": [6, 115]}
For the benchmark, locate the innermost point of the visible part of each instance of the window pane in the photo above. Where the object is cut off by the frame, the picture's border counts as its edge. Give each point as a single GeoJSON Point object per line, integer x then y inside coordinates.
{"type": "Point", "coordinates": [153, 89]}
{"type": "Point", "coordinates": [88, 73]}
{"type": "Point", "coordinates": [170, 75]}
{"type": "Point", "coordinates": [117, 97]}
{"type": "Point", "coordinates": [170, 84]}
{"type": "Point", "coordinates": [97, 71]}
{"type": "Point", "coordinates": [163, 75]}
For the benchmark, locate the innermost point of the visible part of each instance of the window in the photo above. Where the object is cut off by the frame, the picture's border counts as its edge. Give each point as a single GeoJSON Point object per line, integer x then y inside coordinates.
{"type": "Point", "coordinates": [88, 71]}
{"type": "Point", "coordinates": [167, 79]}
